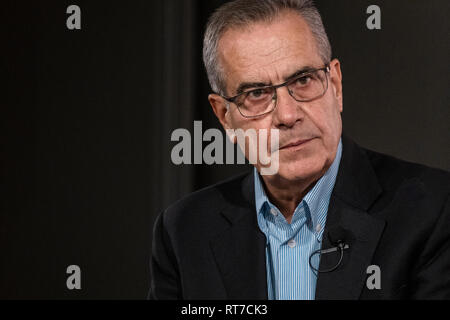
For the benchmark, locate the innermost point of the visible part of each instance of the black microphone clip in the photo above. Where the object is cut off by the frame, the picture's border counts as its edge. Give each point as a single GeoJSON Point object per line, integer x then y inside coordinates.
{"type": "Point", "coordinates": [338, 237]}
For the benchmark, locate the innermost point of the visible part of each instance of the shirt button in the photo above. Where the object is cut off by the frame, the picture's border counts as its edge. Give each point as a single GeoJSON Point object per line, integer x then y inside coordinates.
{"type": "Point", "coordinates": [291, 243]}
{"type": "Point", "coordinates": [274, 211]}
{"type": "Point", "coordinates": [318, 227]}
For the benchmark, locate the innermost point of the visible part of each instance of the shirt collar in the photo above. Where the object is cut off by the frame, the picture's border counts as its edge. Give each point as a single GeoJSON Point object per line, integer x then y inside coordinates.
{"type": "Point", "coordinates": [316, 200]}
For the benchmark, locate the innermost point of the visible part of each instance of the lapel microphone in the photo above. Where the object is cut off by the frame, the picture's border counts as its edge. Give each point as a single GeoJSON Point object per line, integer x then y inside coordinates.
{"type": "Point", "coordinates": [339, 238]}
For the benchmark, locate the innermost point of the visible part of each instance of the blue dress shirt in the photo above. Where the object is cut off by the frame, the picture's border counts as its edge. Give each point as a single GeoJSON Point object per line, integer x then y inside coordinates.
{"type": "Point", "coordinates": [288, 246]}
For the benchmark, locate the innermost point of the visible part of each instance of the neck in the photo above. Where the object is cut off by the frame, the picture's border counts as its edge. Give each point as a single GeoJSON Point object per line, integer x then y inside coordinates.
{"type": "Point", "coordinates": [287, 194]}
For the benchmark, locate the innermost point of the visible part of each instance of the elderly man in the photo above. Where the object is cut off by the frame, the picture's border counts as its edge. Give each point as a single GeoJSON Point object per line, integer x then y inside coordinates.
{"type": "Point", "coordinates": [335, 221]}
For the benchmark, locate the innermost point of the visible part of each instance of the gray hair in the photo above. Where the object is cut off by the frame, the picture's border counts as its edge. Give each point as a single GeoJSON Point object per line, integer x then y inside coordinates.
{"type": "Point", "coordinates": [244, 12]}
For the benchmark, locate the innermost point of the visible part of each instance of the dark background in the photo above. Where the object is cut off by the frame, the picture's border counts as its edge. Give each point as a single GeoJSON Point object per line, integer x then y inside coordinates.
{"type": "Point", "coordinates": [87, 117]}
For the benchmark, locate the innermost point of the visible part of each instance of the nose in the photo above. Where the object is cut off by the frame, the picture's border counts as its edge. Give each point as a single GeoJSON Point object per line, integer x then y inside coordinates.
{"type": "Point", "coordinates": [287, 111]}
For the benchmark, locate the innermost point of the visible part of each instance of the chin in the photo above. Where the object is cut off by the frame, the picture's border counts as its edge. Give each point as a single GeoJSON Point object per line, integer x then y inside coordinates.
{"type": "Point", "coordinates": [302, 169]}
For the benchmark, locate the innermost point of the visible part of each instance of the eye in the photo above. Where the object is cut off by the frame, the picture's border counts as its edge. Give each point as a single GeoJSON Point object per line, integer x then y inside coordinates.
{"type": "Point", "coordinates": [303, 81]}
{"type": "Point", "coordinates": [258, 94]}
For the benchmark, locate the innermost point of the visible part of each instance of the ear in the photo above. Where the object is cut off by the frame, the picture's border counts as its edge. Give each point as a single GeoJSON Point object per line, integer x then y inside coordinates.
{"type": "Point", "coordinates": [219, 106]}
{"type": "Point", "coordinates": [336, 81]}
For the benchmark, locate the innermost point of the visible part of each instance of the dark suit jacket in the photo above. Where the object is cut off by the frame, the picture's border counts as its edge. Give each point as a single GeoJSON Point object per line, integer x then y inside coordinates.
{"type": "Point", "coordinates": [208, 245]}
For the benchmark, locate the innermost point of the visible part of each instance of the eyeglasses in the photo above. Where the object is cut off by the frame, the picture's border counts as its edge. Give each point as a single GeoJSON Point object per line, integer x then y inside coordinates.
{"type": "Point", "coordinates": [260, 101]}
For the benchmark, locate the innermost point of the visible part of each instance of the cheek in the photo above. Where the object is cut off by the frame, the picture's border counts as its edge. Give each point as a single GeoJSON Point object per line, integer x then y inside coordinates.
{"type": "Point", "coordinates": [335, 119]}
{"type": "Point", "coordinates": [251, 145]}
{"type": "Point", "coordinates": [327, 119]}
{"type": "Point", "coordinates": [239, 122]}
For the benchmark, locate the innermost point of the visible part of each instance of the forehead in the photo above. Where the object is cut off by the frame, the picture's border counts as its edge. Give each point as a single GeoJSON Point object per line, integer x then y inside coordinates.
{"type": "Point", "coordinates": [267, 51]}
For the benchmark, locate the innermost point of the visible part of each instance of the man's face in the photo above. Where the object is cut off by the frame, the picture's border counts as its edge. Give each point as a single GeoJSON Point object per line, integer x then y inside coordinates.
{"type": "Point", "coordinates": [269, 53]}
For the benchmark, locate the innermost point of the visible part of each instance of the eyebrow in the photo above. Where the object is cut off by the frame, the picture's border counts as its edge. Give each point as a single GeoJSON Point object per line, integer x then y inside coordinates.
{"type": "Point", "coordinates": [303, 70]}
{"type": "Point", "coordinates": [254, 85]}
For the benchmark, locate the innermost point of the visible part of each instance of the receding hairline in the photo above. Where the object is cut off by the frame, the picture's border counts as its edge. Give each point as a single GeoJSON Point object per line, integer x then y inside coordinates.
{"type": "Point", "coordinates": [267, 21]}
{"type": "Point", "coordinates": [264, 20]}
{"type": "Point", "coordinates": [248, 26]}
{"type": "Point", "coordinates": [240, 14]}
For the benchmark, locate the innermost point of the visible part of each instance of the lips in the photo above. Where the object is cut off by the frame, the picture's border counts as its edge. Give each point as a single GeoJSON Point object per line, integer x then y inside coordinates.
{"type": "Point", "coordinates": [295, 143]}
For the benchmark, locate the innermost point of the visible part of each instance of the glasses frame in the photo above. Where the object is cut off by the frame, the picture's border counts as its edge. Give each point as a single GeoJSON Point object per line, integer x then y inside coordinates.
{"type": "Point", "coordinates": [326, 68]}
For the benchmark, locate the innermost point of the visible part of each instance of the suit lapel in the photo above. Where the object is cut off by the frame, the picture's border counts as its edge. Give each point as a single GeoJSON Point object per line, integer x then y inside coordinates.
{"type": "Point", "coordinates": [348, 280]}
{"type": "Point", "coordinates": [239, 251]}
{"type": "Point", "coordinates": [355, 191]}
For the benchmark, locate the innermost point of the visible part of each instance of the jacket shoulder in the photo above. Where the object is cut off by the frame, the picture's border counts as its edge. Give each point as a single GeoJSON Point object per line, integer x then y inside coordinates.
{"type": "Point", "coordinates": [203, 205]}
{"type": "Point", "coordinates": [393, 172]}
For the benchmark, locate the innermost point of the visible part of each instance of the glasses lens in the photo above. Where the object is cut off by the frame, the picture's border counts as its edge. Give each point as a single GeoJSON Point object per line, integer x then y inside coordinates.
{"type": "Point", "coordinates": [309, 86]}
{"type": "Point", "coordinates": [303, 88]}
{"type": "Point", "coordinates": [256, 102]}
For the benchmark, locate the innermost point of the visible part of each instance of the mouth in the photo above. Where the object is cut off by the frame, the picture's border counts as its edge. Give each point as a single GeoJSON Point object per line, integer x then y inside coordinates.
{"type": "Point", "coordinates": [295, 144]}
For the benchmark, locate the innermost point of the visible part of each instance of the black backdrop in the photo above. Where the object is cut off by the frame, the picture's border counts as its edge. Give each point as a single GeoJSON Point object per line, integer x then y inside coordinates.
{"type": "Point", "coordinates": [87, 117]}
